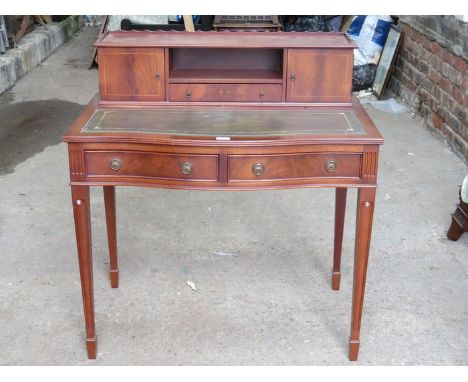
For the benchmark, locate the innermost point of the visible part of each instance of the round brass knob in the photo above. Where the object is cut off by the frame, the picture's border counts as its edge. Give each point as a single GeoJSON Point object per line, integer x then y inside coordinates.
{"type": "Point", "coordinates": [158, 76]}
{"type": "Point", "coordinates": [293, 77]}
{"type": "Point", "coordinates": [115, 164]}
{"type": "Point", "coordinates": [261, 94]}
{"type": "Point", "coordinates": [188, 94]}
{"type": "Point", "coordinates": [186, 168]}
{"type": "Point", "coordinates": [330, 165]}
{"type": "Point", "coordinates": [258, 169]}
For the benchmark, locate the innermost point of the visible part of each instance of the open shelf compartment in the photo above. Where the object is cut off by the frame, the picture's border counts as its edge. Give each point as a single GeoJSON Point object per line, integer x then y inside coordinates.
{"type": "Point", "coordinates": [225, 65]}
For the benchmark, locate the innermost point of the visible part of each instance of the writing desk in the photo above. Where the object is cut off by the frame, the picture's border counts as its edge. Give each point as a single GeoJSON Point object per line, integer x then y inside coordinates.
{"type": "Point", "coordinates": [224, 148]}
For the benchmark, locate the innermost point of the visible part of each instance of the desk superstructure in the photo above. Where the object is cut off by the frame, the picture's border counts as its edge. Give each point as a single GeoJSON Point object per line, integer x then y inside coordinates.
{"type": "Point", "coordinates": [224, 111]}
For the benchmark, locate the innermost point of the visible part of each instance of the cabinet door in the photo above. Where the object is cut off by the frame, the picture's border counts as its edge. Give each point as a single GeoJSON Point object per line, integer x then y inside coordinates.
{"type": "Point", "coordinates": [319, 75]}
{"type": "Point", "coordinates": [131, 74]}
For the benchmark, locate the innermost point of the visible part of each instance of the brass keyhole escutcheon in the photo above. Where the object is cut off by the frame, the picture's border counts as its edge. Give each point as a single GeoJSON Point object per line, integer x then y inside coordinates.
{"type": "Point", "coordinates": [258, 169]}
{"type": "Point", "coordinates": [115, 164]}
{"type": "Point", "coordinates": [186, 168]}
{"type": "Point", "coordinates": [330, 165]}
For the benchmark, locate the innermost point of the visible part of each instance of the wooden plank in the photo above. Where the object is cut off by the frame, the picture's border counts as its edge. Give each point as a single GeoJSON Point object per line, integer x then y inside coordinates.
{"type": "Point", "coordinates": [188, 22]}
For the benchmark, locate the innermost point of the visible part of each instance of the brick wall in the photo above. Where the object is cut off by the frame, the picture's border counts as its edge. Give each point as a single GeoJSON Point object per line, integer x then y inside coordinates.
{"type": "Point", "coordinates": [431, 75]}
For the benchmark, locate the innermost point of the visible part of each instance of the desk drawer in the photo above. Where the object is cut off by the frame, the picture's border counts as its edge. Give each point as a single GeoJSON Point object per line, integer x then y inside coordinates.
{"type": "Point", "coordinates": [225, 92]}
{"type": "Point", "coordinates": [151, 165]}
{"type": "Point", "coordinates": [293, 166]}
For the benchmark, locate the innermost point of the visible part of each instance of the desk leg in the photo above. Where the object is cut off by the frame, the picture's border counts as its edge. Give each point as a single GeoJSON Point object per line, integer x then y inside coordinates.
{"type": "Point", "coordinates": [109, 202]}
{"type": "Point", "coordinates": [81, 211]}
{"type": "Point", "coordinates": [364, 214]}
{"type": "Point", "coordinates": [340, 209]}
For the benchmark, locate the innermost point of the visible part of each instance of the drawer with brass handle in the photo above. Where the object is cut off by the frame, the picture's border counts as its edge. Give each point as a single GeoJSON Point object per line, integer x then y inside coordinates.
{"type": "Point", "coordinates": [151, 165]}
{"type": "Point", "coordinates": [226, 92]}
{"type": "Point", "coordinates": [293, 166]}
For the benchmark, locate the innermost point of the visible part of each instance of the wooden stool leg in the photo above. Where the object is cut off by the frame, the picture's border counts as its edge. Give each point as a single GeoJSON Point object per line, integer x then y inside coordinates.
{"type": "Point", "coordinates": [81, 212]}
{"type": "Point", "coordinates": [109, 202]}
{"type": "Point", "coordinates": [340, 209]}
{"type": "Point", "coordinates": [364, 215]}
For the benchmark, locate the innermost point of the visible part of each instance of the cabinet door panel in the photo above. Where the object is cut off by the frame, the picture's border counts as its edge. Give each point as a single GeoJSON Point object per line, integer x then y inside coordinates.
{"type": "Point", "coordinates": [135, 74]}
{"type": "Point", "coordinates": [319, 75]}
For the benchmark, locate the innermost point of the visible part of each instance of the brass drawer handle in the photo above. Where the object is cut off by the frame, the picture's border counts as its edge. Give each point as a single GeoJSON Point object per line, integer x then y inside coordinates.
{"type": "Point", "coordinates": [188, 94]}
{"type": "Point", "coordinates": [330, 165]}
{"type": "Point", "coordinates": [115, 164]}
{"type": "Point", "coordinates": [186, 168]}
{"type": "Point", "coordinates": [258, 169]}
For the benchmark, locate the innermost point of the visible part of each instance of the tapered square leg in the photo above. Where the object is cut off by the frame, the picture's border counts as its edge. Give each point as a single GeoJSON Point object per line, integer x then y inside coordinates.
{"type": "Point", "coordinates": [340, 209]}
{"type": "Point", "coordinates": [364, 216]}
{"type": "Point", "coordinates": [91, 347]}
{"type": "Point", "coordinates": [81, 212]}
{"type": "Point", "coordinates": [109, 202]}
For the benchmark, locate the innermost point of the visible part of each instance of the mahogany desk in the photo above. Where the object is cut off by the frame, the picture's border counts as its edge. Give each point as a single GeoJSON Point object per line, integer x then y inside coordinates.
{"type": "Point", "coordinates": [224, 148]}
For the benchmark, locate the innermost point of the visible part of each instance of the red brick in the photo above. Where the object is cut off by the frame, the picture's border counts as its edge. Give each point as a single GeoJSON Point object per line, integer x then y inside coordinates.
{"type": "Point", "coordinates": [416, 76]}
{"type": "Point", "coordinates": [413, 59]}
{"type": "Point", "coordinates": [434, 75]}
{"type": "Point", "coordinates": [437, 94]}
{"type": "Point", "coordinates": [433, 104]}
{"type": "Point", "coordinates": [425, 53]}
{"type": "Point", "coordinates": [445, 85]}
{"type": "Point", "coordinates": [460, 64]}
{"type": "Point", "coordinates": [421, 53]}
{"type": "Point", "coordinates": [417, 37]}
{"type": "Point", "coordinates": [408, 82]}
{"type": "Point", "coordinates": [408, 31]}
{"type": "Point", "coordinates": [465, 83]}
{"type": "Point", "coordinates": [427, 84]}
{"type": "Point", "coordinates": [412, 85]}
{"type": "Point", "coordinates": [448, 102]}
{"type": "Point", "coordinates": [435, 62]}
{"type": "Point", "coordinates": [448, 57]}
{"type": "Point", "coordinates": [437, 121]}
{"type": "Point", "coordinates": [456, 78]}
{"type": "Point", "coordinates": [405, 67]}
{"type": "Point", "coordinates": [425, 42]}
{"type": "Point", "coordinates": [409, 44]}
{"type": "Point", "coordinates": [445, 69]}
{"type": "Point", "coordinates": [436, 49]}
{"type": "Point", "coordinates": [423, 67]}
{"type": "Point", "coordinates": [459, 95]}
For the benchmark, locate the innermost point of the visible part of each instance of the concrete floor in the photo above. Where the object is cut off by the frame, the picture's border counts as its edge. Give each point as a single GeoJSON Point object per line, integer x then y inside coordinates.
{"type": "Point", "coordinates": [270, 304]}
